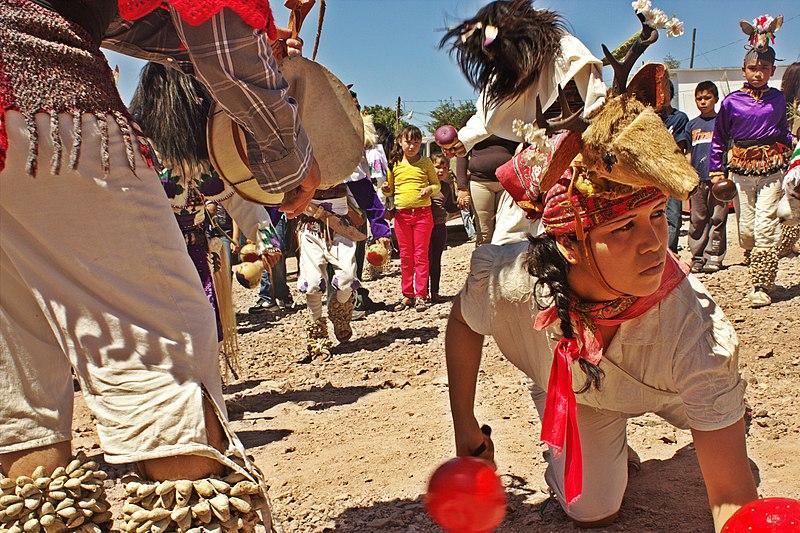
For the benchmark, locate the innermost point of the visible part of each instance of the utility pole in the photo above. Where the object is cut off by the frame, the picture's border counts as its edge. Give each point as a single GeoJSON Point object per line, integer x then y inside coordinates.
{"type": "Point", "coordinates": [397, 113]}
{"type": "Point", "coordinates": [691, 59]}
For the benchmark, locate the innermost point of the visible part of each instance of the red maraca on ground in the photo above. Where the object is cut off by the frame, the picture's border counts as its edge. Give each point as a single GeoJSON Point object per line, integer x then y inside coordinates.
{"type": "Point", "coordinates": [465, 496]}
{"type": "Point", "coordinates": [766, 515]}
{"type": "Point", "coordinates": [445, 136]}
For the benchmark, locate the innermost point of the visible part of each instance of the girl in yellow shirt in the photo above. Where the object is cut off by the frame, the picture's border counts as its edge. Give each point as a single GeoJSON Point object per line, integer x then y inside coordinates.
{"type": "Point", "coordinates": [412, 181]}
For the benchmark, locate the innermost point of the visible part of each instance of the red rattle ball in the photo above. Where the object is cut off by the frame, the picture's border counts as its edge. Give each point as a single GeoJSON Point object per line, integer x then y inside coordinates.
{"type": "Point", "coordinates": [465, 496]}
{"type": "Point", "coordinates": [249, 254]}
{"type": "Point", "coordinates": [445, 136]}
{"type": "Point", "coordinates": [766, 515]}
{"type": "Point", "coordinates": [377, 254]}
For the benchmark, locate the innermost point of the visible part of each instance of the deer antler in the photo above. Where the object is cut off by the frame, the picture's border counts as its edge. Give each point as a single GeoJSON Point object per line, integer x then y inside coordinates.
{"type": "Point", "coordinates": [623, 69]}
{"type": "Point", "coordinates": [567, 121]}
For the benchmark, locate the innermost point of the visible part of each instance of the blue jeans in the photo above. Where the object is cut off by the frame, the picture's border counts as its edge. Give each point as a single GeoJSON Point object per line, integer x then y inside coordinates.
{"type": "Point", "coordinates": [674, 207]}
{"type": "Point", "coordinates": [226, 247]}
{"type": "Point", "coordinates": [469, 223]}
{"type": "Point", "coordinates": [278, 271]}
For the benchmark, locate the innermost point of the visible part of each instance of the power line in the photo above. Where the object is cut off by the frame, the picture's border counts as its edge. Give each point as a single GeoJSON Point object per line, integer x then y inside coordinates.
{"type": "Point", "coordinates": [733, 42]}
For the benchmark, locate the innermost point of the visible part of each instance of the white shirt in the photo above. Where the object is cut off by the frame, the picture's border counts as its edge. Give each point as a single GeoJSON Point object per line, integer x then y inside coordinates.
{"type": "Point", "coordinates": [678, 360]}
{"type": "Point", "coordinates": [575, 62]}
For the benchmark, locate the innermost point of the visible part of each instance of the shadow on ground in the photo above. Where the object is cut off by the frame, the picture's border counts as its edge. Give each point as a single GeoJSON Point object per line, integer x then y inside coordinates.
{"type": "Point", "coordinates": [317, 398]}
{"type": "Point", "coordinates": [384, 339]}
{"type": "Point", "coordinates": [666, 495]}
{"type": "Point", "coordinates": [254, 439]}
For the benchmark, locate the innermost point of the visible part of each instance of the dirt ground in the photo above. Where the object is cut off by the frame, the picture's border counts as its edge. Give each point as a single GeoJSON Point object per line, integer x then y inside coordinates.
{"type": "Point", "coordinates": [348, 445]}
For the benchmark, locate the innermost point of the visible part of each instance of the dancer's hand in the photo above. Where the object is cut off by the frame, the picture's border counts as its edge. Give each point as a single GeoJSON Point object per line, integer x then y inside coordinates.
{"type": "Point", "coordinates": [294, 47]}
{"type": "Point", "coordinates": [463, 199]}
{"type": "Point", "coordinates": [296, 200]}
{"type": "Point", "coordinates": [425, 192]}
{"type": "Point", "coordinates": [471, 440]}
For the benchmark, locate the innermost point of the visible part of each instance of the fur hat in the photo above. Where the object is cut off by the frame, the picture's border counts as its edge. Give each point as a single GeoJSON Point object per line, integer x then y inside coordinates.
{"type": "Point", "coordinates": [622, 148]}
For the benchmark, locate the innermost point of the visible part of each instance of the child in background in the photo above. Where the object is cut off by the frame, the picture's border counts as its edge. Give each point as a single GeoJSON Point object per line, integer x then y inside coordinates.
{"type": "Point", "coordinates": [412, 181]}
{"type": "Point", "coordinates": [707, 238]}
{"type": "Point", "coordinates": [676, 122]}
{"type": "Point", "coordinates": [442, 203]}
{"type": "Point", "coordinates": [752, 123]}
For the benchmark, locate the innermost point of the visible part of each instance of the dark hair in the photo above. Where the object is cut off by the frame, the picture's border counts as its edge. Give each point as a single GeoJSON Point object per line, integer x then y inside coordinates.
{"type": "Point", "coordinates": [354, 96]}
{"type": "Point", "coordinates": [527, 40]}
{"type": "Point", "coordinates": [396, 154]}
{"type": "Point", "coordinates": [767, 55]}
{"type": "Point", "coordinates": [671, 87]}
{"type": "Point", "coordinates": [707, 86]}
{"type": "Point", "coordinates": [790, 83]}
{"type": "Point", "coordinates": [550, 268]}
{"type": "Point", "coordinates": [172, 109]}
{"type": "Point", "coordinates": [385, 137]}
{"type": "Point", "coordinates": [440, 158]}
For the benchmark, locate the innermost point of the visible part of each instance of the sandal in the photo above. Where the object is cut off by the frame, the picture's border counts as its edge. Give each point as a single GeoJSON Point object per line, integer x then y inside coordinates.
{"type": "Point", "coordinates": [405, 303]}
{"type": "Point", "coordinates": [421, 305]}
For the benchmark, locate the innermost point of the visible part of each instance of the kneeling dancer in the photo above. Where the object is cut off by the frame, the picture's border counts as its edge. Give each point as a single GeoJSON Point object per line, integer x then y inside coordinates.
{"type": "Point", "coordinates": [599, 287]}
{"type": "Point", "coordinates": [94, 274]}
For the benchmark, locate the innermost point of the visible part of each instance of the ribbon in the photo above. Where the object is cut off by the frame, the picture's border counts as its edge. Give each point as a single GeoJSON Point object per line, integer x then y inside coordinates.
{"type": "Point", "coordinates": [560, 420]}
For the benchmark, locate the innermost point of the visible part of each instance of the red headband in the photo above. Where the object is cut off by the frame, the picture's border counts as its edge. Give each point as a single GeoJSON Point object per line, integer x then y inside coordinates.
{"type": "Point", "coordinates": [563, 205]}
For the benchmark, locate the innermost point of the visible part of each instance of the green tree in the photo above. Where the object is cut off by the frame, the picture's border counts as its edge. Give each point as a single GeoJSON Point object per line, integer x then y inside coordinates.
{"type": "Point", "coordinates": [385, 115]}
{"type": "Point", "coordinates": [450, 112]}
{"type": "Point", "coordinates": [672, 62]}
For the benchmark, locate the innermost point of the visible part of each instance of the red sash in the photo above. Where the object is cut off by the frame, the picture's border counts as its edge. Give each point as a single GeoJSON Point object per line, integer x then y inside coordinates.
{"type": "Point", "coordinates": [255, 13]}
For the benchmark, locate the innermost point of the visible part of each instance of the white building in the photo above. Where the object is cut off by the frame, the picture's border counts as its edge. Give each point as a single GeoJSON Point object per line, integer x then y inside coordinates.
{"type": "Point", "coordinates": [727, 80]}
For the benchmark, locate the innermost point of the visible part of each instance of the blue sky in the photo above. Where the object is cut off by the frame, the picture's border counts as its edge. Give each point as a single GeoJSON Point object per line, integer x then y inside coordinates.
{"type": "Point", "coordinates": [388, 48]}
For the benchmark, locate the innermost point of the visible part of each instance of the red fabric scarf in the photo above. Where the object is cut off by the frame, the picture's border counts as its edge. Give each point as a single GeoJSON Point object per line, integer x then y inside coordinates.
{"type": "Point", "coordinates": [560, 422]}
{"type": "Point", "coordinates": [255, 13]}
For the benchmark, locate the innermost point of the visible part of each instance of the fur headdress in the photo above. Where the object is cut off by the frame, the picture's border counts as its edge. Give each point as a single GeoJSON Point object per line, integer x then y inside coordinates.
{"type": "Point", "coordinates": [370, 133]}
{"type": "Point", "coordinates": [622, 149]}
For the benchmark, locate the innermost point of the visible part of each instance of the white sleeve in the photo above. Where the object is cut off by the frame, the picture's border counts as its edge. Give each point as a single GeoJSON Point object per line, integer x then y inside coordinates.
{"type": "Point", "coordinates": [497, 278]}
{"type": "Point", "coordinates": [575, 62]}
{"type": "Point", "coordinates": [246, 214]}
{"type": "Point", "coordinates": [475, 300]}
{"type": "Point", "coordinates": [705, 371]}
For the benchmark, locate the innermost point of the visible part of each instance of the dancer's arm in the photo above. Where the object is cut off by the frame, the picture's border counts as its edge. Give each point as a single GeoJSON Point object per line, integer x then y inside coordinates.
{"type": "Point", "coordinates": [463, 349]}
{"type": "Point", "coordinates": [242, 75]}
{"type": "Point", "coordinates": [722, 455]}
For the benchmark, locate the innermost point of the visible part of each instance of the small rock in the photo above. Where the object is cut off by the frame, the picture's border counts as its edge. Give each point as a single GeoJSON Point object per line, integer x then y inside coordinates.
{"type": "Point", "coordinates": [766, 354]}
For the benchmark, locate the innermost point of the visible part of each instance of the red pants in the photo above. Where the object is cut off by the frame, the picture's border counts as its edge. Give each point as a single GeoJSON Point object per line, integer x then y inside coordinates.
{"type": "Point", "coordinates": [413, 230]}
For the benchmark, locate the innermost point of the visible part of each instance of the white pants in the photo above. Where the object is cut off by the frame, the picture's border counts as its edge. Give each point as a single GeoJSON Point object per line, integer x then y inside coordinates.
{"type": "Point", "coordinates": [315, 255]}
{"type": "Point", "coordinates": [604, 445]}
{"type": "Point", "coordinates": [756, 205]}
{"type": "Point", "coordinates": [94, 275]}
